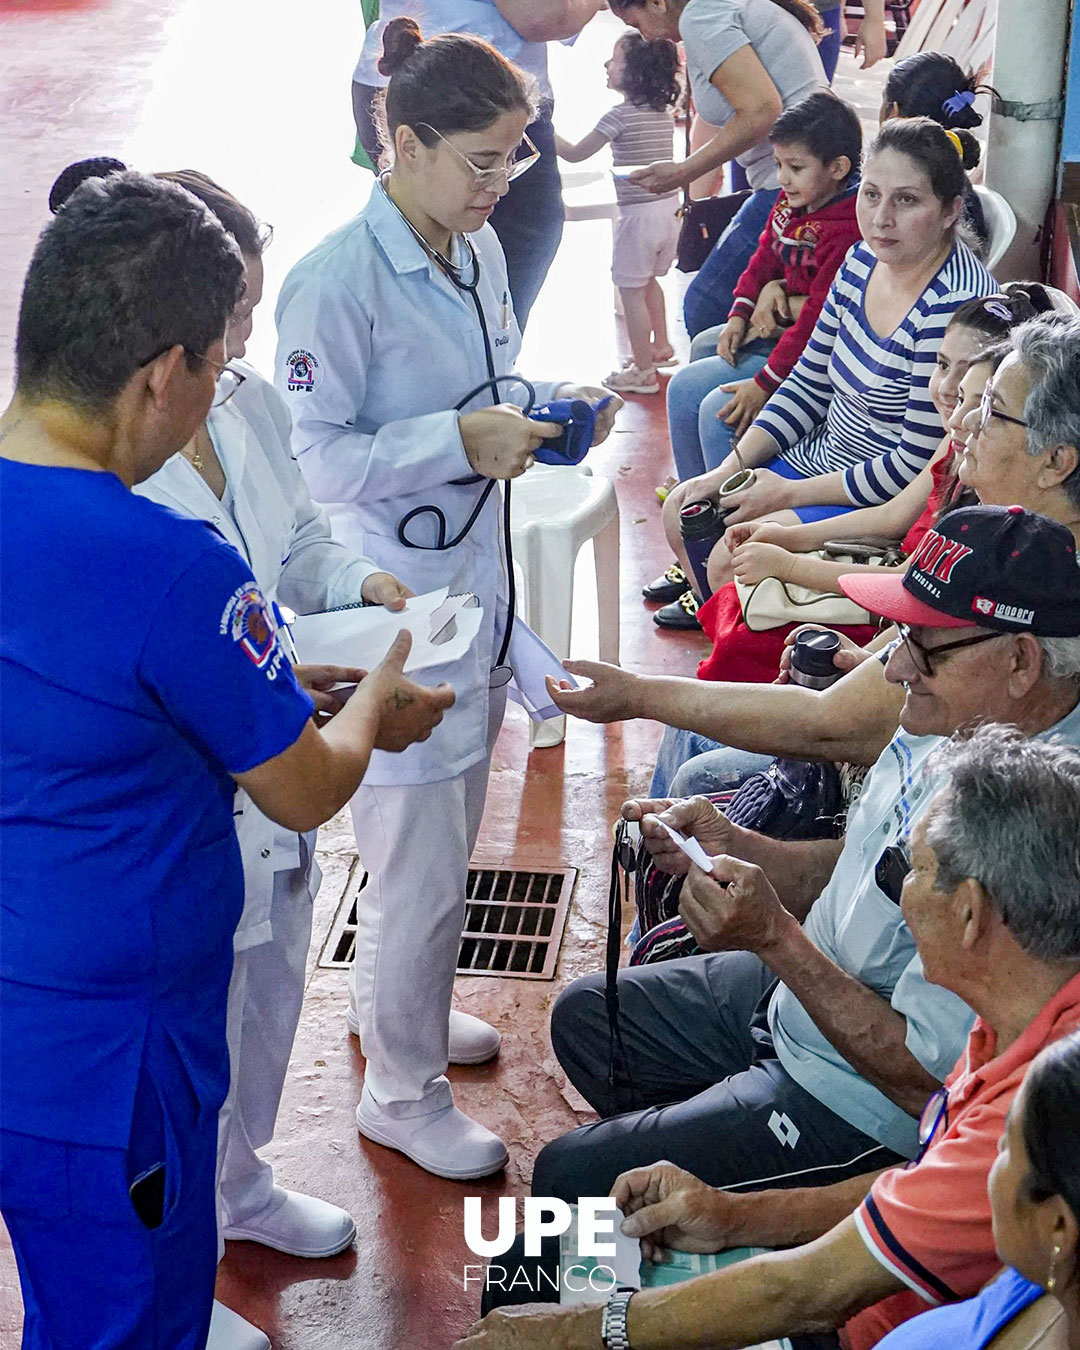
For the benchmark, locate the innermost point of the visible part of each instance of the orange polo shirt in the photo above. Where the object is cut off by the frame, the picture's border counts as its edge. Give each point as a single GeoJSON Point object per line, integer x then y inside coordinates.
{"type": "Point", "coordinates": [929, 1222]}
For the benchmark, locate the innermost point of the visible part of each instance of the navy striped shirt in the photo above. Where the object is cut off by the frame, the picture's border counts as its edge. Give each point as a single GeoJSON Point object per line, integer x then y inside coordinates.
{"type": "Point", "coordinates": [860, 402]}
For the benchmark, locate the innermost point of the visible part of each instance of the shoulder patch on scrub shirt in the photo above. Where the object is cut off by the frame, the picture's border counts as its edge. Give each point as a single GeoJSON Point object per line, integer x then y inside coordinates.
{"type": "Point", "coordinates": [302, 367]}
{"type": "Point", "coordinates": [247, 620]}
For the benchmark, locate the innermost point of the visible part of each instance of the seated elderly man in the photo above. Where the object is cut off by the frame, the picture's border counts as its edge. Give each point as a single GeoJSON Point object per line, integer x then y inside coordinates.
{"type": "Point", "coordinates": [800, 1053]}
{"type": "Point", "coordinates": [993, 900]}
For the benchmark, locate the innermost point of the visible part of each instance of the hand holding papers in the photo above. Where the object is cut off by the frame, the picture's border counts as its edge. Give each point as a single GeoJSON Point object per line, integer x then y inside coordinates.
{"type": "Point", "coordinates": [689, 846]}
{"type": "Point", "coordinates": [442, 625]}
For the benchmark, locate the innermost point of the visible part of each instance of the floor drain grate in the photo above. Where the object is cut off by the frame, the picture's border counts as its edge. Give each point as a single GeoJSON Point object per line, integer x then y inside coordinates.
{"type": "Point", "coordinates": [514, 922]}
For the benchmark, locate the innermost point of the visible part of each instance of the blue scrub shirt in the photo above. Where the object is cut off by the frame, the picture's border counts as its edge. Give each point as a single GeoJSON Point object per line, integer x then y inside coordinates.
{"type": "Point", "coordinates": [138, 670]}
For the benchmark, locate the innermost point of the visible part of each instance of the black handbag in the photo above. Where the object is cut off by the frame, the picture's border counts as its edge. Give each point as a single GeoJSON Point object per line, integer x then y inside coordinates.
{"type": "Point", "coordinates": [703, 220]}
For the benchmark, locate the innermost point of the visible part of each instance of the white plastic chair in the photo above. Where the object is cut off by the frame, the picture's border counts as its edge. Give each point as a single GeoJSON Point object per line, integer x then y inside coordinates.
{"type": "Point", "coordinates": [1000, 223]}
{"type": "Point", "coordinates": [553, 511]}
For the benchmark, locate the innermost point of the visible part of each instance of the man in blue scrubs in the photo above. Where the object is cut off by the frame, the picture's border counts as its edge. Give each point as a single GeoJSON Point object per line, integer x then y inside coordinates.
{"type": "Point", "coordinates": [140, 678]}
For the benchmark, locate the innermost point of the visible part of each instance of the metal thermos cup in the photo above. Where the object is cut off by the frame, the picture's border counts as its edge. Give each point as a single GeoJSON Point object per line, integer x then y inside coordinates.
{"type": "Point", "coordinates": [702, 527]}
{"type": "Point", "coordinates": [812, 659]}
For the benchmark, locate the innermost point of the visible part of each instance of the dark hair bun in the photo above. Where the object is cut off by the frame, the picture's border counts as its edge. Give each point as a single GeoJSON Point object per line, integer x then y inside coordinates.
{"type": "Point", "coordinates": [972, 150]}
{"type": "Point", "coordinates": [1033, 292]}
{"type": "Point", "coordinates": [76, 174]}
{"type": "Point", "coordinates": [400, 40]}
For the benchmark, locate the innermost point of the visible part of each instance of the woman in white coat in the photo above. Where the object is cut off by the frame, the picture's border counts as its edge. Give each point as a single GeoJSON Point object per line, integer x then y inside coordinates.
{"type": "Point", "coordinates": [384, 330]}
{"type": "Point", "coordinates": [238, 473]}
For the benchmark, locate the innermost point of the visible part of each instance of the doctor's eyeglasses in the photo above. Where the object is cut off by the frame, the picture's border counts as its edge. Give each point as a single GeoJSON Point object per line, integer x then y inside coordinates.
{"type": "Point", "coordinates": [524, 157]}
{"type": "Point", "coordinates": [228, 380]}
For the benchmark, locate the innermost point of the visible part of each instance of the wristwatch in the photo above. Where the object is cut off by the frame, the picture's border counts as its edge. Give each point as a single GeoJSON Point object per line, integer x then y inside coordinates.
{"type": "Point", "coordinates": [613, 1327]}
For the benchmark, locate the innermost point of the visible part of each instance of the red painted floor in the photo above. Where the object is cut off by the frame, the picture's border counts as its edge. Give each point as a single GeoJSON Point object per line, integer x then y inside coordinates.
{"type": "Point", "coordinates": [255, 92]}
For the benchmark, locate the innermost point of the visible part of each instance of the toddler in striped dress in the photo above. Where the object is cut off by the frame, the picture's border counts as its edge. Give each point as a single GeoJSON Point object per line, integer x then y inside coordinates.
{"type": "Point", "coordinates": [640, 130]}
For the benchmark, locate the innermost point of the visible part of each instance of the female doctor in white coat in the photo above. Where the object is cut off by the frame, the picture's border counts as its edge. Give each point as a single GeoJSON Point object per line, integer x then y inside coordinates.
{"type": "Point", "coordinates": [239, 474]}
{"type": "Point", "coordinates": [384, 330]}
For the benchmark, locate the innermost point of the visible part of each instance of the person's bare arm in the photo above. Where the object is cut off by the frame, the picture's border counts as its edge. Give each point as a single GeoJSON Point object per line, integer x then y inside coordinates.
{"type": "Point", "coordinates": [306, 784]}
{"type": "Point", "coordinates": [669, 1208]}
{"type": "Point", "coordinates": [754, 561]}
{"type": "Point", "coordinates": [798, 869]}
{"type": "Point", "coordinates": [852, 720]}
{"type": "Point", "coordinates": [548, 20]}
{"type": "Point", "coordinates": [814, 1288]}
{"type": "Point", "coordinates": [749, 89]}
{"type": "Point", "coordinates": [736, 908]}
{"type": "Point", "coordinates": [575, 151]}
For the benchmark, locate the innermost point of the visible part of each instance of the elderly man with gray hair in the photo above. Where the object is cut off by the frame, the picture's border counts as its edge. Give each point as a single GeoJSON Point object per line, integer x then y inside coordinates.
{"type": "Point", "coordinates": [993, 901]}
{"type": "Point", "coordinates": [799, 1049]}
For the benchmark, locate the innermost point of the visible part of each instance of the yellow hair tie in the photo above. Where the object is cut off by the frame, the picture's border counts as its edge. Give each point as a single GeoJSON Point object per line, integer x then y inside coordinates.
{"type": "Point", "coordinates": [958, 145]}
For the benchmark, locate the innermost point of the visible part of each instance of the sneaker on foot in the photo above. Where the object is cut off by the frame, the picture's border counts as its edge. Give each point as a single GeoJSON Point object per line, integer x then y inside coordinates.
{"type": "Point", "coordinates": [446, 1142]}
{"type": "Point", "coordinates": [632, 380]}
{"type": "Point", "coordinates": [300, 1225]}
{"type": "Point", "coordinates": [471, 1040]}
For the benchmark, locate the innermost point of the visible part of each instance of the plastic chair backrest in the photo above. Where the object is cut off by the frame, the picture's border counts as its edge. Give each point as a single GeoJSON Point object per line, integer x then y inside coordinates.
{"type": "Point", "coordinates": [1000, 222]}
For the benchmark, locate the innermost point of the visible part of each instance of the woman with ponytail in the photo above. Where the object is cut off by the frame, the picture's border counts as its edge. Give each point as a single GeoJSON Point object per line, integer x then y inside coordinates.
{"type": "Point", "coordinates": [747, 61]}
{"type": "Point", "coordinates": [397, 343]}
{"type": "Point", "coordinates": [932, 84]}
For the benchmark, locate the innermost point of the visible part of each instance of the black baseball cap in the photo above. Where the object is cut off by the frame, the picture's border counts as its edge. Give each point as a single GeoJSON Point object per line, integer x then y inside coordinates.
{"type": "Point", "coordinates": [998, 567]}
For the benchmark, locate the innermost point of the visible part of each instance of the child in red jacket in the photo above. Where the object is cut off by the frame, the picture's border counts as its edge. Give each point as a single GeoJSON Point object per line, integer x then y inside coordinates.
{"type": "Point", "coordinates": [817, 145]}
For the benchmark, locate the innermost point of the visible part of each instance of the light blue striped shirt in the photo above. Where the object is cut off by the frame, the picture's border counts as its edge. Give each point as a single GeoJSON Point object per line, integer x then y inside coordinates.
{"type": "Point", "coordinates": [860, 402]}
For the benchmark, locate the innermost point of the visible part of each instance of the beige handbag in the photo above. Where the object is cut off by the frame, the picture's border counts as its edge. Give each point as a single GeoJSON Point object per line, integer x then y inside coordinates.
{"type": "Point", "coordinates": [771, 603]}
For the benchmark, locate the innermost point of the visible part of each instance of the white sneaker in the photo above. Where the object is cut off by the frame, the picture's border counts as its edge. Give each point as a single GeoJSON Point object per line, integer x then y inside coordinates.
{"type": "Point", "coordinates": [446, 1142]}
{"type": "Point", "coordinates": [472, 1041]}
{"type": "Point", "coordinates": [298, 1224]}
{"type": "Point", "coordinates": [229, 1331]}
{"type": "Point", "coordinates": [632, 380]}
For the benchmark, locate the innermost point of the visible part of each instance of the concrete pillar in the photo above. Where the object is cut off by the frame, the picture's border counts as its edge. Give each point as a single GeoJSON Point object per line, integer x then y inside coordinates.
{"type": "Point", "coordinates": [1022, 155]}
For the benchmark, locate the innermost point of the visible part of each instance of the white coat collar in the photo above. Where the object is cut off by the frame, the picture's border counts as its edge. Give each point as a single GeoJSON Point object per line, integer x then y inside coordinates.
{"type": "Point", "coordinates": [403, 250]}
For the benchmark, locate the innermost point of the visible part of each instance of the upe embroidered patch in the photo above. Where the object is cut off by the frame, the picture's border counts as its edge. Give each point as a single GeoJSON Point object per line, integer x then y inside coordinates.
{"type": "Point", "coordinates": [301, 367]}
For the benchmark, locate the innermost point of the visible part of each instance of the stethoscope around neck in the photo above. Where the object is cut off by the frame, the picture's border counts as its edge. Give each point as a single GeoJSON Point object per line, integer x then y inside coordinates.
{"type": "Point", "coordinates": [500, 672]}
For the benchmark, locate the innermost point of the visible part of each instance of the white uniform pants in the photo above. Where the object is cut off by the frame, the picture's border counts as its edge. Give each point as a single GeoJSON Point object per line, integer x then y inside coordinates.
{"type": "Point", "coordinates": [415, 842]}
{"type": "Point", "coordinates": [265, 996]}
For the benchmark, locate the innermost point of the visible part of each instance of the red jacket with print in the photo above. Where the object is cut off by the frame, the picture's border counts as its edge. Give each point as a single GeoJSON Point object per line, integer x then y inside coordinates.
{"type": "Point", "coordinates": [805, 249]}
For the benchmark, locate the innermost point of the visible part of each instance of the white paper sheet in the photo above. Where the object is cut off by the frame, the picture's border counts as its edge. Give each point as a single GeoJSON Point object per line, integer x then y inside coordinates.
{"type": "Point", "coordinates": [690, 847]}
{"type": "Point", "coordinates": [531, 660]}
{"type": "Point", "coordinates": [443, 627]}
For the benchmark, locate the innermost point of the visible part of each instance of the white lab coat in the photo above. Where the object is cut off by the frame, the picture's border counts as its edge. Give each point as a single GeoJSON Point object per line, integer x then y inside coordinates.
{"type": "Point", "coordinates": [385, 346]}
{"type": "Point", "coordinates": [285, 538]}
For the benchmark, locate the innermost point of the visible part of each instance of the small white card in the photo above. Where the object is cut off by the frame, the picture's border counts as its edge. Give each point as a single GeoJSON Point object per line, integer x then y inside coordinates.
{"type": "Point", "coordinates": [690, 847]}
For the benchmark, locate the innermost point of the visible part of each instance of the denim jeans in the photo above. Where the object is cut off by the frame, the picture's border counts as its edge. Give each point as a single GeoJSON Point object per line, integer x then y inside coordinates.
{"type": "Point", "coordinates": [529, 220]}
{"type": "Point", "coordinates": [709, 295]}
{"type": "Point", "coordinates": [829, 46]}
{"type": "Point", "coordinates": [688, 763]}
{"type": "Point", "coordinates": [698, 440]}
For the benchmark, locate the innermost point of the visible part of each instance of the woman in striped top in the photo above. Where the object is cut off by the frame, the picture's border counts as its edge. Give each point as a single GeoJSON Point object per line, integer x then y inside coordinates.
{"type": "Point", "coordinates": [853, 423]}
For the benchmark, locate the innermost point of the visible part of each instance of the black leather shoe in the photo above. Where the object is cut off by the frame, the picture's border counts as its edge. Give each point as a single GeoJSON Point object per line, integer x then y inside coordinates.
{"type": "Point", "coordinates": [667, 587]}
{"type": "Point", "coordinates": [681, 613]}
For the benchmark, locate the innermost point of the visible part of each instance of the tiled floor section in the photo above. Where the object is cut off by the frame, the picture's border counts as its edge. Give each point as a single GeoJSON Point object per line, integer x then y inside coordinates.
{"type": "Point", "coordinates": [255, 92]}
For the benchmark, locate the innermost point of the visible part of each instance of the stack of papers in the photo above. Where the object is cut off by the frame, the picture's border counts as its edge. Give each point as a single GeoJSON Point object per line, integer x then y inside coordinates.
{"type": "Point", "coordinates": [443, 627]}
